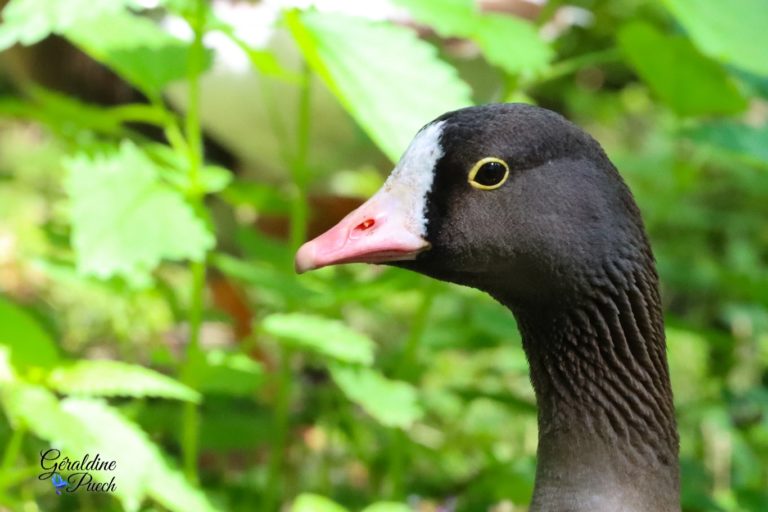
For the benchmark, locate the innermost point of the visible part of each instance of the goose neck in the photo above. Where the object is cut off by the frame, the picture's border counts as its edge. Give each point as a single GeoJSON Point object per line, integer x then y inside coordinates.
{"type": "Point", "coordinates": [607, 433]}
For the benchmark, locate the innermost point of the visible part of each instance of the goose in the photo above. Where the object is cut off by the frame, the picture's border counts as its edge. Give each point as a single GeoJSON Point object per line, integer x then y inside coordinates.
{"type": "Point", "coordinates": [518, 202]}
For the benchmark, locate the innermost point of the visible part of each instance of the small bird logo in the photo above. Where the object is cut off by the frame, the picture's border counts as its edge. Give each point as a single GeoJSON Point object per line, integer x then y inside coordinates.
{"type": "Point", "coordinates": [58, 482]}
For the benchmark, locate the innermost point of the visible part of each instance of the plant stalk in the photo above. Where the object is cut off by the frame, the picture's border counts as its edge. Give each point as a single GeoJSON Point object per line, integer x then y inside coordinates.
{"type": "Point", "coordinates": [574, 64]}
{"type": "Point", "coordinates": [300, 166]}
{"type": "Point", "coordinates": [12, 450]}
{"type": "Point", "coordinates": [190, 426]}
{"type": "Point", "coordinates": [299, 217]}
{"type": "Point", "coordinates": [406, 370]}
{"type": "Point", "coordinates": [280, 435]}
{"type": "Point", "coordinates": [410, 355]}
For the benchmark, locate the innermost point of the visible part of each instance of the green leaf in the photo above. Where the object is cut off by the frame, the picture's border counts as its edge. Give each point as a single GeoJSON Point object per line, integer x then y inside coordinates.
{"type": "Point", "coordinates": [756, 85]}
{"type": "Point", "coordinates": [115, 378]}
{"type": "Point", "coordinates": [688, 354]}
{"type": "Point", "coordinates": [125, 221]}
{"type": "Point", "coordinates": [38, 410]}
{"type": "Point", "coordinates": [511, 43]}
{"type": "Point", "coordinates": [685, 80]}
{"type": "Point", "coordinates": [742, 140]}
{"type": "Point", "coordinates": [263, 61]}
{"type": "Point", "coordinates": [446, 17]}
{"type": "Point", "coordinates": [390, 402]}
{"type": "Point", "coordinates": [387, 506]}
{"type": "Point", "coordinates": [30, 345]}
{"type": "Point", "coordinates": [269, 281]}
{"type": "Point", "coordinates": [141, 469]}
{"type": "Point", "coordinates": [324, 336]}
{"type": "Point", "coordinates": [380, 73]}
{"type": "Point", "coordinates": [134, 47]}
{"type": "Point", "coordinates": [183, 7]}
{"type": "Point", "coordinates": [511, 400]}
{"type": "Point", "coordinates": [173, 491]}
{"type": "Point", "coordinates": [733, 32]}
{"type": "Point", "coordinates": [66, 115]}
{"type": "Point", "coordinates": [80, 426]}
{"type": "Point", "coordinates": [262, 197]}
{"type": "Point", "coordinates": [30, 21]}
{"type": "Point", "coordinates": [214, 178]}
{"type": "Point", "coordinates": [210, 179]}
{"type": "Point", "coordinates": [315, 503]}
{"type": "Point", "coordinates": [7, 373]}
{"type": "Point", "coordinates": [63, 113]}
{"type": "Point", "coordinates": [225, 373]}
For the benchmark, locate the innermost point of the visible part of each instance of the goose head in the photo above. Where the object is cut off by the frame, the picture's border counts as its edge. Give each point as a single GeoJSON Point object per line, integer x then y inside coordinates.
{"type": "Point", "coordinates": [516, 201]}
{"type": "Point", "coordinates": [509, 198]}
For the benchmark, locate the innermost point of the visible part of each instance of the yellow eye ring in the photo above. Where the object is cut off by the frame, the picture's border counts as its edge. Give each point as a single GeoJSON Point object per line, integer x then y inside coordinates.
{"type": "Point", "coordinates": [491, 175]}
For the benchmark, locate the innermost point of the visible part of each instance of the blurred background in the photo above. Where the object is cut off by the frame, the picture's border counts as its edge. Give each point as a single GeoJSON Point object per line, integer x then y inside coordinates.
{"type": "Point", "coordinates": [161, 160]}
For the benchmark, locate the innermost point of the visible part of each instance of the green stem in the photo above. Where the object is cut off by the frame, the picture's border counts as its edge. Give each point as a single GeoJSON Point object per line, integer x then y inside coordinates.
{"type": "Point", "coordinates": [300, 167]}
{"type": "Point", "coordinates": [547, 11]}
{"type": "Point", "coordinates": [194, 130]}
{"type": "Point", "coordinates": [509, 87]}
{"type": "Point", "coordinates": [12, 450]}
{"type": "Point", "coordinates": [299, 216]}
{"type": "Point", "coordinates": [196, 307]}
{"type": "Point", "coordinates": [176, 138]}
{"type": "Point", "coordinates": [395, 461]}
{"type": "Point", "coordinates": [281, 426]}
{"type": "Point", "coordinates": [574, 64]}
{"type": "Point", "coordinates": [410, 355]}
{"type": "Point", "coordinates": [190, 426]}
{"type": "Point", "coordinates": [274, 114]}
{"type": "Point", "coordinates": [21, 476]}
{"type": "Point", "coordinates": [329, 411]}
{"type": "Point", "coordinates": [406, 370]}
{"type": "Point", "coordinates": [141, 113]}
{"type": "Point", "coordinates": [303, 132]}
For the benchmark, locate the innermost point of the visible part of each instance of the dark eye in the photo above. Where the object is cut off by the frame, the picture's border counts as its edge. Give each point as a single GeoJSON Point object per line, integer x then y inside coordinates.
{"type": "Point", "coordinates": [489, 173]}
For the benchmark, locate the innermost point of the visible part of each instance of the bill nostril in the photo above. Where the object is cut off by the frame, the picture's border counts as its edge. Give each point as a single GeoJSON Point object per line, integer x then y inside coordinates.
{"type": "Point", "coordinates": [366, 224]}
{"type": "Point", "coordinates": [365, 228]}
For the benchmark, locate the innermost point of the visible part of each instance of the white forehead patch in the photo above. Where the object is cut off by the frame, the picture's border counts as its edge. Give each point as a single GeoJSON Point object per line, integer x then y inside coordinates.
{"type": "Point", "coordinates": [412, 178]}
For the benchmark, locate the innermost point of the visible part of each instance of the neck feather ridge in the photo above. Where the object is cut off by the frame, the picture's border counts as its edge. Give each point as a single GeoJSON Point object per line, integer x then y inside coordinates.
{"type": "Point", "coordinates": [607, 429]}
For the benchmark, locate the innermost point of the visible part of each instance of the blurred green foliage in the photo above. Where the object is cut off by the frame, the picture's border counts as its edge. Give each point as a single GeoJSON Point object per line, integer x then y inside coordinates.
{"type": "Point", "coordinates": [147, 318]}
